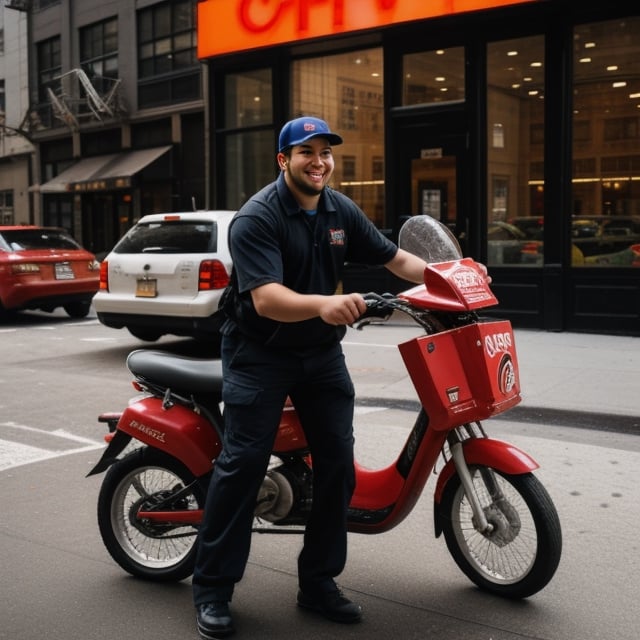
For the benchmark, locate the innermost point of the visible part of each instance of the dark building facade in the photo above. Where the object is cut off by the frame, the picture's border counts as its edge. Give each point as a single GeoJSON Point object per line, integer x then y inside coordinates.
{"type": "Point", "coordinates": [515, 123]}
{"type": "Point", "coordinates": [117, 114]}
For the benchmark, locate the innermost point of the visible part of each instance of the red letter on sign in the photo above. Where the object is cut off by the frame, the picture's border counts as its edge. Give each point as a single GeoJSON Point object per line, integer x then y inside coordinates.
{"type": "Point", "coordinates": [257, 20]}
{"type": "Point", "coordinates": [305, 5]}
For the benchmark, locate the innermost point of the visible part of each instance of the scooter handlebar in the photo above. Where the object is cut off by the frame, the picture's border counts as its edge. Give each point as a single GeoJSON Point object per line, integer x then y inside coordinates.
{"type": "Point", "coordinates": [378, 306]}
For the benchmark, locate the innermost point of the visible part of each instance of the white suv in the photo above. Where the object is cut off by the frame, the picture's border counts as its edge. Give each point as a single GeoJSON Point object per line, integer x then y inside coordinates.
{"type": "Point", "coordinates": [166, 276]}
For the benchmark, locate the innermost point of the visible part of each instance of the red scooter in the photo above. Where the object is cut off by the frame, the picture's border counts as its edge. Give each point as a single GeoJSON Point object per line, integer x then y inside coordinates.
{"type": "Point", "coordinates": [498, 521]}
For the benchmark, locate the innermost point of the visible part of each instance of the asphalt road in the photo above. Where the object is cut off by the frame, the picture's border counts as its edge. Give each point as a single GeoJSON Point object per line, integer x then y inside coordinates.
{"type": "Point", "coordinates": [59, 582]}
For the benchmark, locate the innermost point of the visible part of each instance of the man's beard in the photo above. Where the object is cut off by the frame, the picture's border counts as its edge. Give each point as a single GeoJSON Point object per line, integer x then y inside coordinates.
{"type": "Point", "coordinates": [303, 187]}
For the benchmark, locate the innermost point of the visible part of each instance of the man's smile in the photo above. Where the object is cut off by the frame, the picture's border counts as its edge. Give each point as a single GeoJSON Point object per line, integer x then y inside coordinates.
{"type": "Point", "coordinates": [316, 176]}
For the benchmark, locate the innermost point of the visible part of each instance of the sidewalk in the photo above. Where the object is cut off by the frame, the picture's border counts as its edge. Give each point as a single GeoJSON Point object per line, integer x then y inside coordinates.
{"type": "Point", "coordinates": [591, 380]}
{"type": "Point", "coordinates": [580, 372]}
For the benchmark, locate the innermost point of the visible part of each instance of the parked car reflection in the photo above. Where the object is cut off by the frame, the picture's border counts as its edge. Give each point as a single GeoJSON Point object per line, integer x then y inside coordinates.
{"type": "Point", "coordinates": [595, 240]}
{"type": "Point", "coordinates": [505, 243]}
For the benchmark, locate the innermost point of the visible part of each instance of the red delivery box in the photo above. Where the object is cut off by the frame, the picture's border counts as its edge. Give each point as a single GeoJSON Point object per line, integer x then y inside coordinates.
{"type": "Point", "coordinates": [465, 374]}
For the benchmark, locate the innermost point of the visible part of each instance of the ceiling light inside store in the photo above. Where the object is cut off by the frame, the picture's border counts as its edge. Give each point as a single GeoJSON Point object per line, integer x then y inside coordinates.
{"type": "Point", "coordinates": [617, 85]}
{"type": "Point", "coordinates": [585, 59]}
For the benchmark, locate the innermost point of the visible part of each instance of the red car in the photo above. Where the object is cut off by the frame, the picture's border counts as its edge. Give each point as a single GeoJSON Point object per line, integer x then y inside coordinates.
{"type": "Point", "coordinates": [45, 268]}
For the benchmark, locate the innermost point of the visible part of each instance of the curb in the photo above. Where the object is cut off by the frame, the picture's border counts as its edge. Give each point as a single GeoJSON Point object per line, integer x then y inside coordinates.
{"type": "Point", "coordinates": [607, 422]}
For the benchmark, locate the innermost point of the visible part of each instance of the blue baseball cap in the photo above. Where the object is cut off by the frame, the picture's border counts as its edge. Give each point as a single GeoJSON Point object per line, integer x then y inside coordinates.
{"type": "Point", "coordinates": [302, 129]}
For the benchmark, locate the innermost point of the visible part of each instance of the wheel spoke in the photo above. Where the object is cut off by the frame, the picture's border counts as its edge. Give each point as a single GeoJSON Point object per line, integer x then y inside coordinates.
{"type": "Point", "coordinates": [145, 481]}
{"type": "Point", "coordinates": [506, 554]}
{"type": "Point", "coordinates": [520, 552]}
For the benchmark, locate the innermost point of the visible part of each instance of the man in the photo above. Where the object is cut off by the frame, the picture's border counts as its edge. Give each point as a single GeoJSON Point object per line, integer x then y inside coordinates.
{"type": "Point", "coordinates": [282, 337]}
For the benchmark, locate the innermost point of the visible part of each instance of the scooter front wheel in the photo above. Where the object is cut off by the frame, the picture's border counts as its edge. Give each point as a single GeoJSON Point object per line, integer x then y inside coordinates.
{"type": "Point", "coordinates": [520, 553]}
{"type": "Point", "coordinates": [143, 480]}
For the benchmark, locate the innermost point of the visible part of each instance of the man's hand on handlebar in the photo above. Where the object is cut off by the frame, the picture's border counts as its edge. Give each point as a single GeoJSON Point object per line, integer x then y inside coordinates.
{"type": "Point", "coordinates": [378, 306]}
{"type": "Point", "coordinates": [343, 309]}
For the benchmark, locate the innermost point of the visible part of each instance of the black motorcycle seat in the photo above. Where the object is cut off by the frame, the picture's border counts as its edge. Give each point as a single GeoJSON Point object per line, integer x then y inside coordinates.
{"type": "Point", "coordinates": [180, 373]}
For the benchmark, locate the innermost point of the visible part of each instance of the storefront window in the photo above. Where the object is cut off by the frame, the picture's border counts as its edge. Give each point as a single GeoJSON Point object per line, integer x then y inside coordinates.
{"type": "Point", "coordinates": [606, 143]}
{"type": "Point", "coordinates": [515, 151]}
{"type": "Point", "coordinates": [430, 77]}
{"type": "Point", "coordinates": [247, 99]}
{"type": "Point", "coordinates": [249, 153]}
{"type": "Point", "coordinates": [346, 90]}
{"type": "Point", "coordinates": [249, 165]}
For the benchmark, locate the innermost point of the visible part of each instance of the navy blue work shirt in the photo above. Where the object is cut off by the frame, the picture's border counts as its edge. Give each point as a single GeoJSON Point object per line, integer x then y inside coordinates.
{"type": "Point", "coordinates": [273, 240]}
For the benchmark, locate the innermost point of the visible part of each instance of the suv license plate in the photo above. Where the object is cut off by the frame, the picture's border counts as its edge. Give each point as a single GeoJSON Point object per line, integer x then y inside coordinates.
{"type": "Point", "coordinates": [64, 271]}
{"type": "Point", "coordinates": [146, 288]}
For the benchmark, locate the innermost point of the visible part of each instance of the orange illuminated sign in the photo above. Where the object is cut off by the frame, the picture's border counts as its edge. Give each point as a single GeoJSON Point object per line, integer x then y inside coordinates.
{"type": "Point", "coordinates": [225, 26]}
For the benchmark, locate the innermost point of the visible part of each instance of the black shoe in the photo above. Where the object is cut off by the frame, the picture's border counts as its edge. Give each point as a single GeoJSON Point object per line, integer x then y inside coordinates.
{"type": "Point", "coordinates": [214, 620]}
{"type": "Point", "coordinates": [332, 605]}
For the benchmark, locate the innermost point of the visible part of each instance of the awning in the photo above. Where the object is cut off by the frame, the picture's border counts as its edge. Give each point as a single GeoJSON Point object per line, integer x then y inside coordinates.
{"type": "Point", "coordinates": [99, 173]}
{"type": "Point", "coordinates": [82, 170]}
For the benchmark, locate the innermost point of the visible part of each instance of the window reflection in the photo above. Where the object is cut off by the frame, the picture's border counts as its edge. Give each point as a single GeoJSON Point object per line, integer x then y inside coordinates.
{"type": "Point", "coordinates": [515, 167]}
{"type": "Point", "coordinates": [346, 90]}
{"type": "Point", "coordinates": [606, 137]}
{"type": "Point", "coordinates": [433, 76]}
{"type": "Point", "coordinates": [248, 99]}
{"type": "Point", "coordinates": [249, 165]}
{"type": "Point", "coordinates": [249, 153]}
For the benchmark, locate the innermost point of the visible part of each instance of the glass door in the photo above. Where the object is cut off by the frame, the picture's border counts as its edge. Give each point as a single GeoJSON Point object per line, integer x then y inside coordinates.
{"type": "Point", "coordinates": [430, 179]}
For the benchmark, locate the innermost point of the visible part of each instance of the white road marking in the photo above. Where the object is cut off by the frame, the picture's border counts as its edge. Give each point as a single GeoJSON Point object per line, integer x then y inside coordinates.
{"type": "Point", "coordinates": [370, 344]}
{"type": "Point", "coordinates": [15, 454]}
{"type": "Point", "coordinates": [363, 411]}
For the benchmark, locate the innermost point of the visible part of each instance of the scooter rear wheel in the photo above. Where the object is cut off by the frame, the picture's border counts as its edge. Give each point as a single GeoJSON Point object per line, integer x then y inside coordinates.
{"type": "Point", "coordinates": [156, 551]}
{"type": "Point", "coordinates": [522, 552]}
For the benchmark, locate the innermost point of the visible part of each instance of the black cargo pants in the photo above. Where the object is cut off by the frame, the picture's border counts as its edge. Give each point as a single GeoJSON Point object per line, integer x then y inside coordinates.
{"type": "Point", "coordinates": [257, 381]}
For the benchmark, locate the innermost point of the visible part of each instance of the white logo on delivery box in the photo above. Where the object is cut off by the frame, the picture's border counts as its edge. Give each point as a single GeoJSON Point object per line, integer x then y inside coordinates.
{"type": "Point", "coordinates": [497, 343]}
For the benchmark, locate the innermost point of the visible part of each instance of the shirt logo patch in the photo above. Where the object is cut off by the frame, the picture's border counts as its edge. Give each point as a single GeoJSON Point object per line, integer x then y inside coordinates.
{"type": "Point", "coordinates": [336, 237]}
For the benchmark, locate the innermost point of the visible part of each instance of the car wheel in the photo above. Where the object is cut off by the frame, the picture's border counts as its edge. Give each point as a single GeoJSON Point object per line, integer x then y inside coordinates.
{"type": "Point", "coordinates": [77, 309]}
{"type": "Point", "coordinates": [148, 335]}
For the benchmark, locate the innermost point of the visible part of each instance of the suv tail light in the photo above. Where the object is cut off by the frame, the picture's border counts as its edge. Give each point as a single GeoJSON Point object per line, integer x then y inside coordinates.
{"type": "Point", "coordinates": [213, 275]}
{"type": "Point", "coordinates": [104, 276]}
